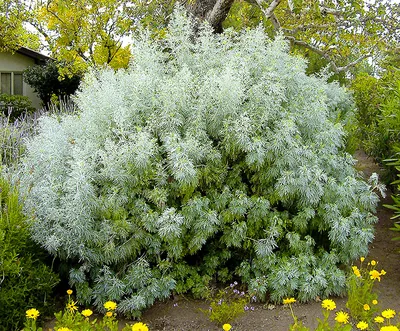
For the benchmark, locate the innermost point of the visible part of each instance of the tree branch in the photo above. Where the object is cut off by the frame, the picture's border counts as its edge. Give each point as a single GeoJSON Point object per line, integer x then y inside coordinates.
{"type": "Point", "coordinates": [270, 10]}
{"type": "Point", "coordinates": [352, 64]}
{"type": "Point", "coordinates": [326, 56]}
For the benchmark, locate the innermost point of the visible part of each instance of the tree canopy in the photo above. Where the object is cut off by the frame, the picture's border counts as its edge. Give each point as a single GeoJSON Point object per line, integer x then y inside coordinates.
{"type": "Point", "coordinates": [13, 32]}
{"type": "Point", "coordinates": [341, 32]}
{"type": "Point", "coordinates": [89, 33]}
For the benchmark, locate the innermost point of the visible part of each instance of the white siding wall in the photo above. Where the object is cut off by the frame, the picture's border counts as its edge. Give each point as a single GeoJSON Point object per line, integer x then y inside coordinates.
{"type": "Point", "coordinates": [17, 63]}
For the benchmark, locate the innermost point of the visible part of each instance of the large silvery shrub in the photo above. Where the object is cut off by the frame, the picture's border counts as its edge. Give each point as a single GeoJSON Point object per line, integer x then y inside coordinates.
{"type": "Point", "coordinates": [211, 157]}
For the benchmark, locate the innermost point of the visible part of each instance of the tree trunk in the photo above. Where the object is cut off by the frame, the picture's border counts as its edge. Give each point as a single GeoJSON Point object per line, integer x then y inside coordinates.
{"type": "Point", "coordinates": [213, 11]}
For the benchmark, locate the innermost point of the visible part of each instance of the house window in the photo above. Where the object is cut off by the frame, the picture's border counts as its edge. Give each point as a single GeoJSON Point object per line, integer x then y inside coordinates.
{"type": "Point", "coordinates": [11, 83]}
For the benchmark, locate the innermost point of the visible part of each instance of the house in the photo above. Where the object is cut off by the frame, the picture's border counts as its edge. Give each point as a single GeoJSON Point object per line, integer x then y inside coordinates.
{"type": "Point", "coordinates": [11, 67]}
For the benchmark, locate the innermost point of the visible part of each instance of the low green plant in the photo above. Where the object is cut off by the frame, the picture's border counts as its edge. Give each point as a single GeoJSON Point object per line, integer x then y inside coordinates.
{"type": "Point", "coordinates": [13, 106]}
{"type": "Point", "coordinates": [227, 305]}
{"type": "Point", "coordinates": [362, 300]}
{"type": "Point", "coordinates": [25, 281]}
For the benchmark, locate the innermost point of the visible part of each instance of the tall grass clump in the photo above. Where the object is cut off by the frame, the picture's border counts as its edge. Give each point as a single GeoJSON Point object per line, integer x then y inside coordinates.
{"type": "Point", "coordinates": [211, 157]}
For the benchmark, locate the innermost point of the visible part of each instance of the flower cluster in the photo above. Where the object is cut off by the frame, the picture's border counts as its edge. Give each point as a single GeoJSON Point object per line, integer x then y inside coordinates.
{"type": "Point", "coordinates": [70, 319]}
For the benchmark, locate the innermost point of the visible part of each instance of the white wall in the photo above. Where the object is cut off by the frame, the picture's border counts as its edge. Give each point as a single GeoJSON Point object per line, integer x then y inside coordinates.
{"type": "Point", "coordinates": [17, 63]}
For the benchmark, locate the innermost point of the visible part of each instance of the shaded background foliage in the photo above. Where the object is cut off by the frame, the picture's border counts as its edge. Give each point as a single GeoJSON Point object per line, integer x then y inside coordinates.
{"type": "Point", "coordinates": [47, 82]}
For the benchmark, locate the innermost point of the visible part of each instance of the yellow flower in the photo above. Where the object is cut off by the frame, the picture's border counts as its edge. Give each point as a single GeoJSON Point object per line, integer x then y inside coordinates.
{"type": "Point", "coordinates": [227, 327]}
{"type": "Point", "coordinates": [69, 292]}
{"type": "Point", "coordinates": [388, 313]}
{"type": "Point", "coordinates": [373, 262]}
{"type": "Point", "coordinates": [87, 312]}
{"type": "Point", "coordinates": [367, 307]}
{"type": "Point", "coordinates": [64, 329]}
{"type": "Point", "coordinates": [374, 302]}
{"type": "Point", "coordinates": [110, 305]}
{"type": "Point", "coordinates": [288, 301]}
{"type": "Point", "coordinates": [383, 272]}
{"type": "Point", "coordinates": [328, 304]}
{"type": "Point", "coordinates": [32, 313]}
{"type": "Point", "coordinates": [379, 319]}
{"type": "Point", "coordinates": [342, 317]}
{"type": "Point", "coordinates": [139, 327]}
{"type": "Point", "coordinates": [109, 314]}
{"type": "Point", "coordinates": [362, 258]}
{"type": "Point", "coordinates": [71, 306]}
{"type": "Point", "coordinates": [389, 328]}
{"type": "Point", "coordinates": [362, 325]}
{"type": "Point", "coordinates": [356, 271]}
{"type": "Point", "coordinates": [375, 275]}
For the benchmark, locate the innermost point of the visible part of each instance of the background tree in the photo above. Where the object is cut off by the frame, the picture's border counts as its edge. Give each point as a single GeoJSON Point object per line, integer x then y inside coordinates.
{"type": "Point", "coordinates": [89, 33]}
{"type": "Point", "coordinates": [343, 33]}
{"type": "Point", "coordinates": [46, 81]}
{"type": "Point", "coordinates": [92, 33]}
{"type": "Point", "coordinates": [13, 33]}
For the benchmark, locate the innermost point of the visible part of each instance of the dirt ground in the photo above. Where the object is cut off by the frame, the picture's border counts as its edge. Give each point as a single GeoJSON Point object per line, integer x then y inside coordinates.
{"type": "Point", "coordinates": [183, 314]}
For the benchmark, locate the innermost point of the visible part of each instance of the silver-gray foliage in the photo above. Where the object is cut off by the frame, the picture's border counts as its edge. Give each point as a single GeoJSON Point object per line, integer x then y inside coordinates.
{"type": "Point", "coordinates": [211, 156]}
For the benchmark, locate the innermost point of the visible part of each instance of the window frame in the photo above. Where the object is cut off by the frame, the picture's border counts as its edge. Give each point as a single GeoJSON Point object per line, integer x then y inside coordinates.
{"type": "Point", "coordinates": [13, 81]}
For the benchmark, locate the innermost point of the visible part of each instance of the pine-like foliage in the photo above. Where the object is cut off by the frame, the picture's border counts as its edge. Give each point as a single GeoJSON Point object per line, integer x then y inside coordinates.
{"type": "Point", "coordinates": [211, 157]}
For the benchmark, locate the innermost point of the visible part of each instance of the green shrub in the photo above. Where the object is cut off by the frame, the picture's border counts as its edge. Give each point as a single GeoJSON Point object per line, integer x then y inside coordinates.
{"type": "Point", "coordinates": [13, 106]}
{"type": "Point", "coordinates": [46, 82]}
{"type": "Point", "coordinates": [368, 92]}
{"type": "Point", "coordinates": [389, 124]}
{"type": "Point", "coordinates": [211, 156]}
{"type": "Point", "coordinates": [378, 117]}
{"type": "Point", "coordinates": [395, 206]}
{"type": "Point", "coordinates": [25, 280]}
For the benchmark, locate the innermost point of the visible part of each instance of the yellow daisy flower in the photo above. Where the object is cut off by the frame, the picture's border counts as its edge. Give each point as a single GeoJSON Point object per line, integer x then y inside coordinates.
{"type": "Point", "coordinates": [110, 305]}
{"type": "Point", "coordinates": [226, 327]}
{"type": "Point", "coordinates": [356, 271]}
{"type": "Point", "coordinates": [87, 312]}
{"type": "Point", "coordinates": [389, 328]}
{"type": "Point", "coordinates": [362, 258]}
{"type": "Point", "coordinates": [383, 272]}
{"type": "Point", "coordinates": [366, 307]}
{"type": "Point", "coordinates": [379, 319]}
{"type": "Point", "coordinates": [362, 325]}
{"type": "Point", "coordinates": [109, 314]}
{"type": "Point", "coordinates": [328, 304]}
{"type": "Point", "coordinates": [374, 274]}
{"type": "Point", "coordinates": [342, 317]}
{"type": "Point", "coordinates": [388, 313]}
{"type": "Point", "coordinates": [139, 327]}
{"type": "Point", "coordinates": [374, 302]}
{"type": "Point", "coordinates": [32, 313]}
{"type": "Point", "coordinates": [373, 262]}
{"type": "Point", "coordinates": [69, 292]}
{"type": "Point", "coordinates": [71, 306]}
{"type": "Point", "coordinates": [288, 301]}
